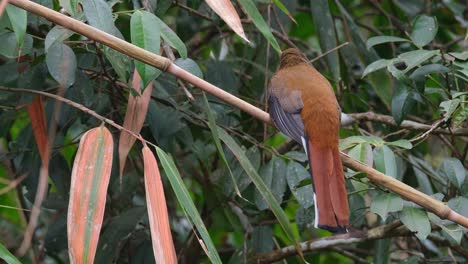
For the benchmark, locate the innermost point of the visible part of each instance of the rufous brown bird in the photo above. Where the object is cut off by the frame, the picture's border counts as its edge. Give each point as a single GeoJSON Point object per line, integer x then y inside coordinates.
{"type": "Point", "coordinates": [303, 106]}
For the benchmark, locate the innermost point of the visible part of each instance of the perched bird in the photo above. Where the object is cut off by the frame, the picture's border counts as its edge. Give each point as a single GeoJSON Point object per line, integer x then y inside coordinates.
{"type": "Point", "coordinates": [303, 106]}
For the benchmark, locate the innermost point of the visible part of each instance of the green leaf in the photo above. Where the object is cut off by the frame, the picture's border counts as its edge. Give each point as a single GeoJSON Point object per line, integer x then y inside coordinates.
{"type": "Point", "coordinates": [453, 233]}
{"type": "Point", "coordinates": [261, 186]}
{"type": "Point", "coordinates": [460, 205]}
{"type": "Point", "coordinates": [375, 66]}
{"type": "Point", "coordinates": [354, 140]}
{"type": "Point", "coordinates": [325, 28]}
{"type": "Point", "coordinates": [117, 230]}
{"type": "Point", "coordinates": [385, 203]}
{"type": "Point", "coordinates": [190, 66]}
{"type": "Point", "coordinates": [274, 176]}
{"type": "Point", "coordinates": [56, 34]}
{"type": "Point", "coordinates": [183, 196]}
{"type": "Point", "coordinates": [402, 103]}
{"type": "Point", "coordinates": [10, 48]}
{"type": "Point", "coordinates": [61, 62]}
{"type": "Point", "coordinates": [120, 62]}
{"type": "Point", "coordinates": [145, 34]}
{"type": "Point", "coordinates": [7, 256]}
{"type": "Point", "coordinates": [99, 15]}
{"type": "Point", "coordinates": [284, 9]}
{"type": "Point", "coordinates": [416, 220]}
{"type": "Point", "coordinates": [410, 60]}
{"type": "Point", "coordinates": [383, 39]}
{"type": "Point", "coordinates": [449, 107]}
{"type": "Point", "coordinates": [351, 142]}
{"type": "Point", "coordinates": [425, 70]}
{"type": "Point", "coordinates": [296, 175]}
{"type": "Point", "coordinates": [423, 180]}
{"type": "Point", "coordinates": [454, 171]}
{"type": "Point", "coordinates": [71, 7]}
{"type": "Point", "coordinates": [261, 241]}
{"type": "Point", "coordinates": [424, 30]}
{"type": "Point", "coordinates": [363, 153]}
{"type": "Point", "coordinates": [410, 7]}
{"type": "Point", "coordinates": [460, 115]}
{"type": "Point", "coordinates": [419, 75]}
{"type": "Point", "coordinates": [402, 143]}
{"type": "Point", "coordinates": [249, 7]}
{"type": "Point", "coordinates": [384, 160]}
{"type": "Point", "coordinates": [18, 20]}
{"type": "Point", "coordinates": [296, 155]}
{"type": "Point", "coordinates": [214, 133]}
{"type": "Point", "coordinates": [460, 55]}
{"type": "Point", "coordinates": [172, 39]}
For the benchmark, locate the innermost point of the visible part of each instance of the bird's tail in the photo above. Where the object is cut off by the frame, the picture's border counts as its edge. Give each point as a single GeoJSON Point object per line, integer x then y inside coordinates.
{"type": "Point", "coordinates": [330, 197]}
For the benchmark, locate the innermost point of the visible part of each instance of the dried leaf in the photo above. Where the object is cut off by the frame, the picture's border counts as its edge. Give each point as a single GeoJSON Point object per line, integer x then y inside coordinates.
{"type": "Point", "coordinates": [38, 123]}
{"type": "Point", "coordinates": [228, 13]}
{"type": "Point", "coordinates": [88, 190]}
{"type": "Point", "coordinates": [163, 245]}
{"type": "Point", "coordinates": [134, 118]}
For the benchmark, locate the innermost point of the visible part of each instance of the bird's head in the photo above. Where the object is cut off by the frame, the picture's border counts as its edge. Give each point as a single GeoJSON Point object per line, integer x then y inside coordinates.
{"type": "Point", "coordinates": [291, 57]}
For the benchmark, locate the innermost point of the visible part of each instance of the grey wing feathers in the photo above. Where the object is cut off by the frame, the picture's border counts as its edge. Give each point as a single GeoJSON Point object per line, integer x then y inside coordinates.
{"type": "Point", "coordinates": [288, 123]}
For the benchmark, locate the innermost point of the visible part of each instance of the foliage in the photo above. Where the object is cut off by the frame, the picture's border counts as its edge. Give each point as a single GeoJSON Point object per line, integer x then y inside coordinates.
{"type": "Point", "coordinates": [235, 187]}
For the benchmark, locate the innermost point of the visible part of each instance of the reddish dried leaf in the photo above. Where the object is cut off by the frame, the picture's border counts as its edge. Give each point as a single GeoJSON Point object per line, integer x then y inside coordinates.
{"type": "Point", "coordinates": [228, 13]}
{"type": "Point", "coordinates": [38, 122]}
{"type": "Point", "coordinates": [90, 178]}
{"type": "Point", "coordinates": [3, 4]}
{"type": "Point", "coordinates": [163, 246]}
{"type": "Point", "coordinates": [134, 118]}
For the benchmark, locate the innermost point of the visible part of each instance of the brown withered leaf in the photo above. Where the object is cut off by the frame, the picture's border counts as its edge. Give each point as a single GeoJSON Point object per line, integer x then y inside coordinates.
{"type": "Point", "coordinates": [163, 246]}
{"type": "Point", "coordinates": [228, 13]}
{"type": "Point", "coordinates": [88, 190]}
{"type": "Point", "coordinates": [38, 123]}
{"type": "Point", "coordinates": [134, 118]}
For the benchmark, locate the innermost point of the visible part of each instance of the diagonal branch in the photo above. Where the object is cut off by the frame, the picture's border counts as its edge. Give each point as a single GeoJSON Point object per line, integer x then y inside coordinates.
{"type": "Point", "coordinates": [409, 193]}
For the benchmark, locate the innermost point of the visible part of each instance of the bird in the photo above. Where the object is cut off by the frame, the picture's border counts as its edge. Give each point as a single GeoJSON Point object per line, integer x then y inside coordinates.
{"type": "Point", "coordinates": [303, 106]}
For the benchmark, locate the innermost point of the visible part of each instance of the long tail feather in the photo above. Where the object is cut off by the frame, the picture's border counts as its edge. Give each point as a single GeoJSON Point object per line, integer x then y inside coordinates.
{"type": "Point", "coordinates": [329, 187]}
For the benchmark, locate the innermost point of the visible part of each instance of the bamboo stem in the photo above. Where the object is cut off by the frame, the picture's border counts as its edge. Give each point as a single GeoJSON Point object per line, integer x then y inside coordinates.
{"type": "Point", "coordinates": [411, 194]}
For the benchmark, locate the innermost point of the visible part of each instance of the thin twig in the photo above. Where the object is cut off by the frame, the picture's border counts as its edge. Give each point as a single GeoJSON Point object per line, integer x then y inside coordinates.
{"type": "Point", "coordinates": [12, 184]}
{"type": "Point", "coordinates": [408, 124]}
{"type": "Point", "coordinates": [429, 131]}
{"type": "Point", "coordinates": [170, 55]}
{"type": "Point", "coordinates": [328, 52]}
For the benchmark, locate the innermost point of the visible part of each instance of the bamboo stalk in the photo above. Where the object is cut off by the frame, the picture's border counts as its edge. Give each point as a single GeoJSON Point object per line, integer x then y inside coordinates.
{"type": "Point", "coordinates": [409, 193]}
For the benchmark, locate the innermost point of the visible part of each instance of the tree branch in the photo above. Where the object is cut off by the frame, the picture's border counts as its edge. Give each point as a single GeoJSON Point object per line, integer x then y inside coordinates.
{"type": "Point", "coordinates": [407, 124]}
{"type": "Point", "coordinates": [431, 204]}
{"type": "Point", "coordinates": [384, 231]}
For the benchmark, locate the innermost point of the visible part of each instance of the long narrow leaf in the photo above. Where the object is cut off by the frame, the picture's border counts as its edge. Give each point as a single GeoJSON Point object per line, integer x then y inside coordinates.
{"type": "Point", "coordinates": [146, 34]}
{"type": "Point", "coordinates": [90, 178]}
{"type": "Point", "coordinates": [252, 11]}
{"type": "Point", "coordinates": [186, 202]}
{"type": "Point", "coordinates": [134, 118]}
{"type": "Point", "coordinates": [325, 28]}
{"type": "Point", "coordinates": [261, 187]}
{"type": "Point", "coordinates": [163, 245]}
{"type": "Point", "coordinates": [38, 123]}
{"type": "Point", "coordinates": [228, 13]}
{"type": "Point", "coordinates": [7, 256]}
{"type": "Point", "coordinates": [214, 133]}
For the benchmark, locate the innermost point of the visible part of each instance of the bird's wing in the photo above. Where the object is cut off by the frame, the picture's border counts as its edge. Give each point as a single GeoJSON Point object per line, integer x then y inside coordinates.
{"type": "Point", "coordinates": [288, 122]}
